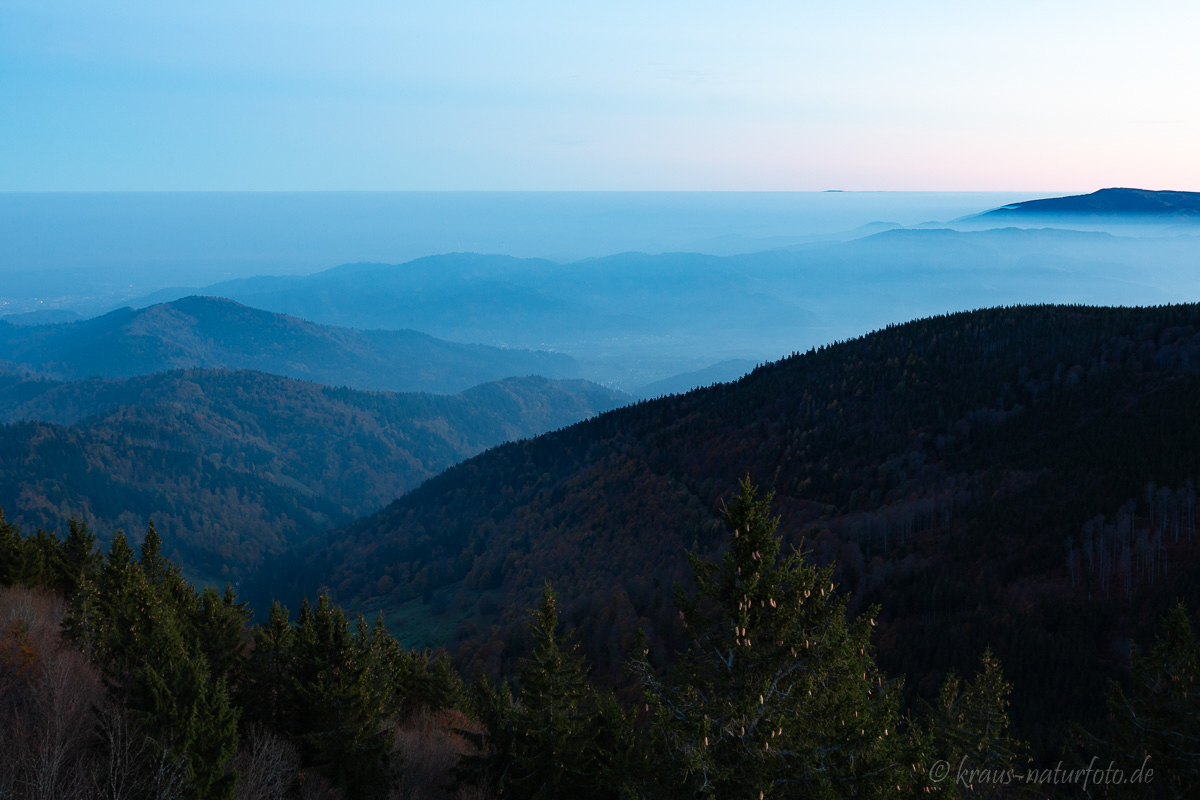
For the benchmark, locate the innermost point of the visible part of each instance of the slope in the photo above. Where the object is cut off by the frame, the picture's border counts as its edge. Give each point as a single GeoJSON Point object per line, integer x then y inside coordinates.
{"type": "Point", "coordinates": [948, 465]}
{"type": "Point", "coordinates": [1109, 203]}
{"type": "Point", "coordinates": [211, 332]}
{"type": "Point", "coordinates": [235, 465]}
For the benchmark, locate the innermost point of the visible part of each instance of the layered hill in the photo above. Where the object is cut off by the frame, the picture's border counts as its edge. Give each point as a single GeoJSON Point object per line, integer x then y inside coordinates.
{"type": "Point", "coordinates": [615, 308]}
{"type": "Point", "coordinates": [637, 318]}
{"type": "Point", "coordinates": [208, 332]}
{"type": "Point", "coordinates": [678, 384]}
{"type": "Point", "coordinates": [48, 317]}
{"type": "Point", "coordinates": [1111, 203]}
{"type": "Point", "coordinates": [235, 465]}
{"type": "Point", "coordinates": [1020, 477]}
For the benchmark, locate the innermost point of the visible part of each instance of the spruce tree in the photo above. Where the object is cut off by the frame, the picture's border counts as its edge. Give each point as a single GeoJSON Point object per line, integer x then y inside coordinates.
{"type": "Point", "coordinates": [558, 748]}
{"type": "Point", "coordinates": [42, 560]}
{"type": "Point", "coordinates": [267, 690]}
{"type": "Point", "coordinates": [339, 717]}
{"type": "Point", "coordinates": [12, 552]}
{"type": "Point", "coordinates": [777, 694]}
{"type": "Point", "coordinates": [1159, 717]}
{"type": "Point", "coordinates": [187, 712]}
{"type": "Point", "coordinates": [438, 683]}
{"type": "Point", "coordinates": [166, 577]}
{"type": "Point", "coordinates": [137, 621]}
{"type": "Point", "coordinates": [219, 620]}
{"type": "Point", "coordinates": [388, 665]}
{"type": "Point", "coordinates": [80, 561]}
{"type": "Point", "coordinates": [154, 563]}
{"type": "Point", "coordinates": [113, 619]}
{"type": "Point", "coordinates": [489, 765]}
{"type": "Point", "coordinates": [969, 729]}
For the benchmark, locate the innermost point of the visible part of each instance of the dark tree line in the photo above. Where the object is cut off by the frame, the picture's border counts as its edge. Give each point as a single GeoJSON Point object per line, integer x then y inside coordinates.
{"type": "Point", "coordinates": [190, 691]}
{"type": "Point", "coordinates": [776, 693]}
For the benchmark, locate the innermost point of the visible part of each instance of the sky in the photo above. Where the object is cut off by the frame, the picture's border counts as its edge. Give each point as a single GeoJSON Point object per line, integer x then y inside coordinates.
{"type": "Point", "coordinates": [614, 95]}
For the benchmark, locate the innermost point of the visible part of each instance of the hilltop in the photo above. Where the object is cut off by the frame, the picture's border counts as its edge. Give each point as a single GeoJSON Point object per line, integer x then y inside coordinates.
{"type": "Point", "coordinates": [1138, 203]}
{"type": "Point", "coordinates": [209, 332]}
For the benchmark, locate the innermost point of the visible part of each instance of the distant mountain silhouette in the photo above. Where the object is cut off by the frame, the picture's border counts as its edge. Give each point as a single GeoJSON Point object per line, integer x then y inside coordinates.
{"type": "Point", "coordinates": [524, 302]}
{"type": "Point", "coordinates": [48, 317]}
{"type": "Point", "coordinates": [720, 372]}
{"type": "Point", "coordinates": [212, 332]}
{"type": "Point", "coordinates": [1109, 203]}
{"type": "Point", "coordinates": [633, 318]}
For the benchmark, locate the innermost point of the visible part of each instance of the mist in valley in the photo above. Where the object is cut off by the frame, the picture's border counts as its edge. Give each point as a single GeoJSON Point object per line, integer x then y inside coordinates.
{"type": "Point", "coordinates": [637, 288]}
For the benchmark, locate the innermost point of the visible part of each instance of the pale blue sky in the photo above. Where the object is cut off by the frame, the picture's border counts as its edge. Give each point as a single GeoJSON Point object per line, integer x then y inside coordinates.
{"type": "Point", "coordinates": [616, 95]}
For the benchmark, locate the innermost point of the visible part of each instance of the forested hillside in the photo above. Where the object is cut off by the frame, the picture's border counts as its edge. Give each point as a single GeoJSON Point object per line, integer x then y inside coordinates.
{"type": "Point", "coordinates": [212, 332]}
{"type": "Point", "coordinates": [233, 465]}
{"type": "Point", "coordinates": [119, 679]}
{"type": "Point", "coordinates": [1020, 477]}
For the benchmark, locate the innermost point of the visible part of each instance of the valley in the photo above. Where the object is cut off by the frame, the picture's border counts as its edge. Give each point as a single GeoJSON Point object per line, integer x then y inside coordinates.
{"type": "Point", "coordinates": [234, 466]}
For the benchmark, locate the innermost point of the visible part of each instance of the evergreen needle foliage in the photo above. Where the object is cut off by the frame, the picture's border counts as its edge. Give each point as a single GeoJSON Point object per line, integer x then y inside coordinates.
{"type": "Point", "coordinates": [969, 729]}
{"type": "Point", "coordinates": [777, 694]}
{"type": "Point", "coordinates": [561, 737]}
{"type": "Point", "coordinates": [1159, 716]}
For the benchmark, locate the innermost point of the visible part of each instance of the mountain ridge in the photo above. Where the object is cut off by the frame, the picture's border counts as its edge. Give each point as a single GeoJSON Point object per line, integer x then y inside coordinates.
{"type": "Point", "coordinates": [1112, 202]}
{"type": "Point", "coordinates": [632, 318]}
{"type": "Point", "coordinates": [235, 465]}
{"type": "Point", "coordinates": [207, 332]}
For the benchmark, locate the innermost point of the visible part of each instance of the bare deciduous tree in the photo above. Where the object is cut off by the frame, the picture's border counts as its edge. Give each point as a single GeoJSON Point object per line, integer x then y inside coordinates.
{"type": "Point", "coordinates": [267, 764]}
{"type": "Point", "coordinates": [132, 766]}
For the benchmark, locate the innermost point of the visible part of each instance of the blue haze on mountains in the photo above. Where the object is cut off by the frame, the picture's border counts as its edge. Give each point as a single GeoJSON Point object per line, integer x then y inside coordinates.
{"type": "Point", "coordinates": [84, 250]}
{"type": "Point", "coordinates": [638, 287]}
